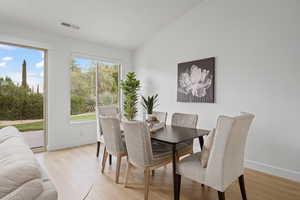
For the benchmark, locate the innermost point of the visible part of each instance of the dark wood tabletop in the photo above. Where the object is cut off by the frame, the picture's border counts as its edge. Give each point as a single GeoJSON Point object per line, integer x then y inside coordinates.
{"type": "Point", "coordinates": [176, 134]}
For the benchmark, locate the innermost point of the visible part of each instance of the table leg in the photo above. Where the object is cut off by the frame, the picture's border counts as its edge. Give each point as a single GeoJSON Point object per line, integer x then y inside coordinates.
{"type": "Point", "coordinates": [110, 159]}
{"type": "Point", "coordinates": [98, 148]}
{"type": "Point", "coordinates": [201, 141]}
{"type": "Point", "coordinates": [175, 185]}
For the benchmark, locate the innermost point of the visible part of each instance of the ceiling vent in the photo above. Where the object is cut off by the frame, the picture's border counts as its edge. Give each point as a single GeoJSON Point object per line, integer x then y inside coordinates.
{"type": "Point", "coordinates": [72, 26]}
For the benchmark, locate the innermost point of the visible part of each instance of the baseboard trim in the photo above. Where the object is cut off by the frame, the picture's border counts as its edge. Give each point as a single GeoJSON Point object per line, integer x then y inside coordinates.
{"type": "Point", "coordinates": [275, 171]}
{"type": "Point", "coordinates": [66, 146]}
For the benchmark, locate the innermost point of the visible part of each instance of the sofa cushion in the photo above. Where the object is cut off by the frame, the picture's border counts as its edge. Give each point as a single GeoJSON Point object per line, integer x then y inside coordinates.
{"type": "Point", "coordinates": [28, 191]}
{"type": "Point", "coordinates": [17, 165]}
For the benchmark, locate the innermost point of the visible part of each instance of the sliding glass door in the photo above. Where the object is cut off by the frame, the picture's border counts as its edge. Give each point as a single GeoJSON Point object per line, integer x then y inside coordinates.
{"type": "Point", "coordinates": [22, 92]}
{"type": "Point", "coordinates": [93, 82]}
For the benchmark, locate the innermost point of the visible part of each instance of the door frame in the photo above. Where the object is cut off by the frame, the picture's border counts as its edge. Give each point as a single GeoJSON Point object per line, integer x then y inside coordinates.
{"type": "Point", "coordinates": [45, 98]}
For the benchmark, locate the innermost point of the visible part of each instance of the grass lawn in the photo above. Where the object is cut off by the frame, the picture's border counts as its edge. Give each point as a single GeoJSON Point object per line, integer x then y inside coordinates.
{"type": "Point", "coordinates": [35, 126]}
{"type": "Point", "coordinates": [88, 116]}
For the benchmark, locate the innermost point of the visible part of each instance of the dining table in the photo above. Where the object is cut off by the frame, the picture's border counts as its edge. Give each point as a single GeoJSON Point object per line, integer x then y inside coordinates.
{"type": "Point", "coordinates": [174, 135]}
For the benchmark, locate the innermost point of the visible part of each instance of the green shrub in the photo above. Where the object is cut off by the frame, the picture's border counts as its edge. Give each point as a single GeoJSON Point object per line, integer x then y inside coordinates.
{"type": "Point", "coordinates": [83, 87]}
{"type": "Point", "coordinates": [19, 103]}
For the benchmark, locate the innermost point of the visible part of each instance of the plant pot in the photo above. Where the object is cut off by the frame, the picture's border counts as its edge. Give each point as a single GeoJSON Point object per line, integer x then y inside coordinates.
{"type": "Point", "coordinates": [150, 117]}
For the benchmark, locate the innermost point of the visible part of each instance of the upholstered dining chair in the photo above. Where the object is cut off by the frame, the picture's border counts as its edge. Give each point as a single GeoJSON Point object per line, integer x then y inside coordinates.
{"type": "Point", "coordinates": [184, 120]}
{"type": "Point", "coordinates": [141, 153]}
{"type": "Point", "coordinates": [114, 142]}
{"type": "Point", "coordinates": [187, 121]}
{"type": "Point", "coordinates": [226, 158]}
{"type": "Point", "coordinates": [161, 116]}
{"type": "Point", "coordinates": [104, 111]}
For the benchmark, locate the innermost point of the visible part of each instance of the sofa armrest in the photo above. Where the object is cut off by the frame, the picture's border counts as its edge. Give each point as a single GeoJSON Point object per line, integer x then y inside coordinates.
{"type": "Point", "coordinates": [49, 191]}
{"type": "Point", "coordinates": [8, 132]}
{"type": "Point", "coordinates": [28, 191]}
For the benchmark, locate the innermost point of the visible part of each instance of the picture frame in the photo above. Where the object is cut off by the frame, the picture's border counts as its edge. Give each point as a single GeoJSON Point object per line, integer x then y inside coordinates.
{"type": "Point", "coordinates": [196, 81]}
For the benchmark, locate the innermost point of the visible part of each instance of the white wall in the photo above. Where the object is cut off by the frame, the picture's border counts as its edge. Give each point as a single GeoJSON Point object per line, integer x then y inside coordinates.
{"type": "Point", "coordinates": [257, 48]}
{"type": "Point", "coordinates": [61, 133]}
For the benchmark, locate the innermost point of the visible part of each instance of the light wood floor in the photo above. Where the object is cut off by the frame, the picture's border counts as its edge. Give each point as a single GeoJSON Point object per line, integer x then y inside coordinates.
{"type": "Point", "coordinates": [76, 171]}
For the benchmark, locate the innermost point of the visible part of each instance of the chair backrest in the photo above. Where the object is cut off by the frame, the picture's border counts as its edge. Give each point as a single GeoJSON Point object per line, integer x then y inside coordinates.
{"type": "Point", "coordinates": [226, 160]}
{"type": "Point", "coordinates": [184, 120]}
{"type": "Point", "coordinates": [108, 110]}
{"type": "Point", "coordinates": [161, 116]}
{"type": "Point", "coordinates": [104, 111]}
{"type": "Point", "coordinates": [112, 135]}
{"type": "Point", "coordinates": [138, 142]}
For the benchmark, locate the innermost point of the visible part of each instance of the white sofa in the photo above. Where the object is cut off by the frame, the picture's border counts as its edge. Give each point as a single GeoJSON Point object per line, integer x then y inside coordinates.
{"type": "Point", "coordinates": [21, 177]}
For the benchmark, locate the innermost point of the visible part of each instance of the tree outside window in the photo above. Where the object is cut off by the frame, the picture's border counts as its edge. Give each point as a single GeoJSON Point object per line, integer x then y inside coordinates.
{"type": "Point", "coordinates": [83, 87]}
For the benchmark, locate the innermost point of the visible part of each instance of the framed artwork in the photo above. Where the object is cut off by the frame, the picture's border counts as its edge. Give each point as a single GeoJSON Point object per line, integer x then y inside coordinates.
{"type": "Point", "coordinates": [196, 81]}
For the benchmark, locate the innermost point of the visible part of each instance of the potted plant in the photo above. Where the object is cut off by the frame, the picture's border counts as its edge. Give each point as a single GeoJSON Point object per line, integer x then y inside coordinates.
{"type": "Point", "coordinates": [149, 104]}
{"type": "Point", "coordinates": [130, 88]}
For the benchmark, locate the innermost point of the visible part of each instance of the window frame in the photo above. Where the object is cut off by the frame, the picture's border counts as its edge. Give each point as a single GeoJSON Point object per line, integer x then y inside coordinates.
{"type": "Point", "coordinates": [98, 59]}
{"type": "Point", "coordinates": [45, 88]}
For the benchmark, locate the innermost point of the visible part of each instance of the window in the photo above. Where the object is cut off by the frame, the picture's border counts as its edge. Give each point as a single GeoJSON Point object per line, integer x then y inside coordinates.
{"type": "Point", "coordinates": [22, 91]}
{"type": "Point", "coordinates": [84, 75]}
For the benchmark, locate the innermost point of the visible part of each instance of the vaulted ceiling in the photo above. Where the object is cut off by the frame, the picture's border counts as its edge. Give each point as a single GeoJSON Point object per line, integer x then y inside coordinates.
{"type": "Point", "coordinates": [122, 23]}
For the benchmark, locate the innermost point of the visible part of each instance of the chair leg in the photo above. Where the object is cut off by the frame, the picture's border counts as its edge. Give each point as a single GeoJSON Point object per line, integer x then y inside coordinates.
{"type": "Point", "coordinates": [153, 172]}
{"type": "Point", "coordinates": [147, 182]}
{"type": "Point", "coordinates": [242, 187]}
{"type": "Point", "coordinates": [98, 149]}
{"type": "Point", "coordinates": [110, 159]}
{"type": "Point", "coordinates": [221, 195]}
{"type": "Point", "coordinates": [201, 142]}
{"type": "Point", "coordinates": [127, 174]}
{"type": "Point", "coordinates": [119, 160]}
{"type": "Point", "coordinates": [105, 154]}
{"type": "Point", "coordinates": [178, 177]}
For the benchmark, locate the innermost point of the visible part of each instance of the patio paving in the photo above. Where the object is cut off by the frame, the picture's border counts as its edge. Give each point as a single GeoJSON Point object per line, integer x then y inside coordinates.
{"type": "Point", "coordinates": [34, 139]}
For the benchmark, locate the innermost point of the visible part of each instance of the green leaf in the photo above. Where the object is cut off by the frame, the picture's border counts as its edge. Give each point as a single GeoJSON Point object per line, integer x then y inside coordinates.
{"type": "Point", "coordinates": [150, 103]}
{"type": "Point", "coordinates": [130, 88]}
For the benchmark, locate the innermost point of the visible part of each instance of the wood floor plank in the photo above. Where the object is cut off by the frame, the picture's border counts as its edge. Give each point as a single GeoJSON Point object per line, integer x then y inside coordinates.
{"type": "Point", "coordinates": [76, 173]}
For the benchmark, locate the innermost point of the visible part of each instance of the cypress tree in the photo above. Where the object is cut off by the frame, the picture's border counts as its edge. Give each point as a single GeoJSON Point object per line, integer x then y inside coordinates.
{"type": "Point", "coordinates": [24, 74]}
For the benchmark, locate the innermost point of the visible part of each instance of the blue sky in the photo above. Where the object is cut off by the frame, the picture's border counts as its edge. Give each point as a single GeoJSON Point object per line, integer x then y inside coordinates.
{"type": "Point", "coordinates": [11, 59]}
{"type": "Point", "coordinates": [83, 63]}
